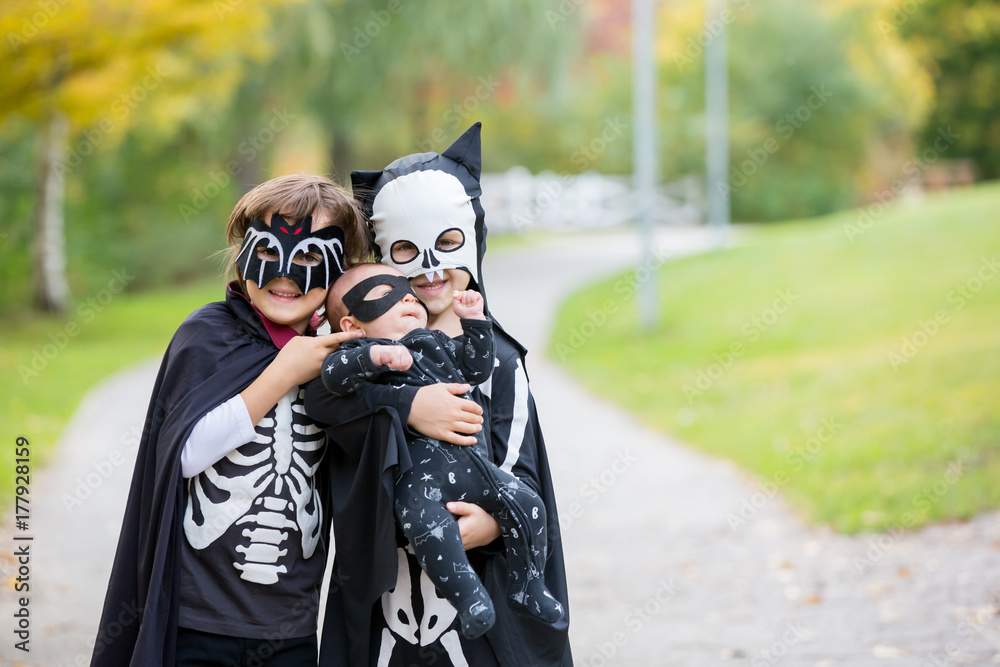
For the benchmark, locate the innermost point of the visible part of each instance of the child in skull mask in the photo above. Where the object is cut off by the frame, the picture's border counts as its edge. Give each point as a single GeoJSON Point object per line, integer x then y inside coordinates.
{"type": "Point", "coordinates": [428, 223]}
{"type": "Point", "coordinates": [398, 348]}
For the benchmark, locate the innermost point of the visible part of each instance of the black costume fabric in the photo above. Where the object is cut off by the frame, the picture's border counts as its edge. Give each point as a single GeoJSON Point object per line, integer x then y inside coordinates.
{"type": "Point", "coordinates": [367, 437]}
{"type": "Point", "coordinates": [442, 473]}
{"type": "Point", "coordinates": [216, 353]}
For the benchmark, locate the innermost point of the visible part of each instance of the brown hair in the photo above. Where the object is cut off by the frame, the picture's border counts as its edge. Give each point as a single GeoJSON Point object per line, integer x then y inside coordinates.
{"type": "Point", "coordinates": [294, 197]}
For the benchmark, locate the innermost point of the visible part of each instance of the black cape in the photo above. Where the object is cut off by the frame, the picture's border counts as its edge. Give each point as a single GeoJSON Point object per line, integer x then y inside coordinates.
{"type": "Point", "coordinates": [216, 353]}
{"type": "Point", "coordinates": [368, 442]}
{"type": "Point", "coordinates": [366, 446]}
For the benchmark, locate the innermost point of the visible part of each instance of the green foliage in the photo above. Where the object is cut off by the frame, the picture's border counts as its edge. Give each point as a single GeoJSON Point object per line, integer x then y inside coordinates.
{"type": "Point", "coordinates": [389, 78]}
{"type": "Point", "coordinates": [124, 212]}
{"type": "Point", "coordinates": [333, 85]}
{"type": "Point", "coordinates": [17, 189]}
{"type": "Point", "coordinates": [850, 361]}
{"type": "Point", "coordinates": [804, 117]}
{"type": "Point", "coordinates": [960, 44]}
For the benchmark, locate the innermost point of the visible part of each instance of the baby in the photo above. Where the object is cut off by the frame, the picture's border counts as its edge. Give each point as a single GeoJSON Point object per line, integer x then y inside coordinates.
{"type": "Point", "coordinates": [398, 348]}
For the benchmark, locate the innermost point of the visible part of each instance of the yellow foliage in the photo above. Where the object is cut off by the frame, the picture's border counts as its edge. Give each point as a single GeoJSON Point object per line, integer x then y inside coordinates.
{"type": "Point", "coordinates": [679, 25]}
{"type": "Point", "coordinates": [884, 60]}
{"type": "Point", "coordinates": [113, 63]}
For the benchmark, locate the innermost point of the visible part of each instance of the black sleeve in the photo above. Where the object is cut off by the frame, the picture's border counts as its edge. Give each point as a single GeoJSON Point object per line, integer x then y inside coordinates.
{"type": "Point", "coordinates": [475, 350]}
{"type": "Point", "coordinates": [349, 368]}
{"type": "Point", "coordinates": [343, 414]}
{"type": "Point", "coordinates": [340, 408]}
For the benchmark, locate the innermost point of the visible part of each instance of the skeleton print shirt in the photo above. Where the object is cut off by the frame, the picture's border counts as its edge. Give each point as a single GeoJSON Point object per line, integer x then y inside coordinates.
{"type": "Point", "coordinates": [252, 559]}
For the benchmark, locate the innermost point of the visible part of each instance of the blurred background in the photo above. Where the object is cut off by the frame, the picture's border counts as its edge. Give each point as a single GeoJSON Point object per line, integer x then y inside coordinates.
{"type": "Point", "coordinates": [839, 342]}
{"type": "Point", "coordinates": [129, 128]}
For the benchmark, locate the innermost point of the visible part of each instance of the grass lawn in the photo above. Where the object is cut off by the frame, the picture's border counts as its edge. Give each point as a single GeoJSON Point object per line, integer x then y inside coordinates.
{"type": "Point", "coordinates": [851, 363]}
{"type": "Point", "coordinates": [48, 364]}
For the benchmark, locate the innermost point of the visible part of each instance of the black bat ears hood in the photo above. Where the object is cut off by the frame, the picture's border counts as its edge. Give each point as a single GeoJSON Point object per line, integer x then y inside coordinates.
{"type": "Point", "coordinates": [425, 211]}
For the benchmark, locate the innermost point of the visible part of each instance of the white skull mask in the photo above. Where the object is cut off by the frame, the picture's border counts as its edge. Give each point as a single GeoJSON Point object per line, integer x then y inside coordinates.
{"type": "Point", "coordinates": [425, 222]}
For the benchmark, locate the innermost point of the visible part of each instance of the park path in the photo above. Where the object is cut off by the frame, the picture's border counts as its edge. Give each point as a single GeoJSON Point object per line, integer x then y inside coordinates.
{"type": "Point", "coordinates": [658, 575]}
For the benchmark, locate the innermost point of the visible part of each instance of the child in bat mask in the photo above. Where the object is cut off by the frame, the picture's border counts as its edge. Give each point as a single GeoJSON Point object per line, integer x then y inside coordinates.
{"type": "Point", "coordinates": [398, 348]}
{"type": "Point", "coordinates": [223, 542]}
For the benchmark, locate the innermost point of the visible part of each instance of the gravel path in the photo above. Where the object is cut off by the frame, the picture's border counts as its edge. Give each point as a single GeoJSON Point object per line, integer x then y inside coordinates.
{"type": "Point", "coordinates": [659, 574]}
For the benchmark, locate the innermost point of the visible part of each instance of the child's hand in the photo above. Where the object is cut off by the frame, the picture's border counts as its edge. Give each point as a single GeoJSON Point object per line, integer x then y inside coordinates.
{"type": "Point", "coordinates": [469, 304]}
{"type": "Point", "coordinates": [439, 411]}
{"type": "Point", "coordinates": [475, 525]}
{"type": "Point", "coordinates": [301, 358]}
{"type": "Point", "coordinates": [298, 362]}
{"type": "Point", "coordinates": [395, 357]}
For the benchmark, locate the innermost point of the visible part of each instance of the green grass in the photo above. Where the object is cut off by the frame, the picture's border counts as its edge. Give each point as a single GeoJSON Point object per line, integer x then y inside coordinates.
{"type": "Point", "coordinates": [825, 400]}
{"type": "Point", "coordinates": [48, 363]}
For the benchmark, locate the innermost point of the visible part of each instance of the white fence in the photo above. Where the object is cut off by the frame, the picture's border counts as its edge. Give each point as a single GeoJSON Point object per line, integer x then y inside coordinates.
{"type": "Point", "coordinates": [518, 201]}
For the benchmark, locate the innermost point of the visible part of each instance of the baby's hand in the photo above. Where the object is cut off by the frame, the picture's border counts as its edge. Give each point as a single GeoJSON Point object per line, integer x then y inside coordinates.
{"type": "Point", "coordinates": [469, 304]}
{"type": "Point", "coordinates": [395, 357]}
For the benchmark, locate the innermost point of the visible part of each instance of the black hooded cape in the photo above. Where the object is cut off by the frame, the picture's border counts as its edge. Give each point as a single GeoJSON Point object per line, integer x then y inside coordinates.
{"type": "Point", "coordinates": [367, 449]}
{"type": "Point", "coordinates": [216, 353]}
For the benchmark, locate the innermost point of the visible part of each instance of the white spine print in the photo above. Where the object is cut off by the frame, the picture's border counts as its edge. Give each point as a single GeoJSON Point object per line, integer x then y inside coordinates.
{"type": "Point", "coordinates": [265, 487]}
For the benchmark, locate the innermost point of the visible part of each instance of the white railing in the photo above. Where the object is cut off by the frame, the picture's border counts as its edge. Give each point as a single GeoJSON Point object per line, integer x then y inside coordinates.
{"type": "Point", "coordinates": [518, 200]}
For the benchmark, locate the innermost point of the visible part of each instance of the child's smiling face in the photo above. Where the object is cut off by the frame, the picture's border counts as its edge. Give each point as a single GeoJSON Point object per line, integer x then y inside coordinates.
{"type": "Point", "coordinates": [436, 291]}
{"type": "Point", "coordinates": [281, 300]}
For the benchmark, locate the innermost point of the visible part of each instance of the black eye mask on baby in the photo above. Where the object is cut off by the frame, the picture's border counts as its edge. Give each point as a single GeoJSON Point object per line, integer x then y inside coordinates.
{"type": "Point", "coordinates": [367, 310]}
{"type": "Point", "coordinates": [287, 240]}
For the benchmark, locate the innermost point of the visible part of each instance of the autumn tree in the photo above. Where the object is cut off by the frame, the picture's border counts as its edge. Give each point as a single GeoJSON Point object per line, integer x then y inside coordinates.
{"type": "Point", "coordinates": [396, 76]}
{"type": "Point", "coordinates": [814, 93]}
{"type": "Point", "coordinates": [958, 41]}
{"type": "Point", "coordinates": [82, 72]}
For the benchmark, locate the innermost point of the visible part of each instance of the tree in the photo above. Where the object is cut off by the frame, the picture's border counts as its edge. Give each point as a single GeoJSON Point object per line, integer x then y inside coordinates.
{"type": "Point", "coordinates": [394, 74]}
{"type": "Point", "coordinates": [958, 41]}
{"type": "Point", "coordinates": [813, 95]}
{"type": "Point", "coordinates": [81, 70]}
